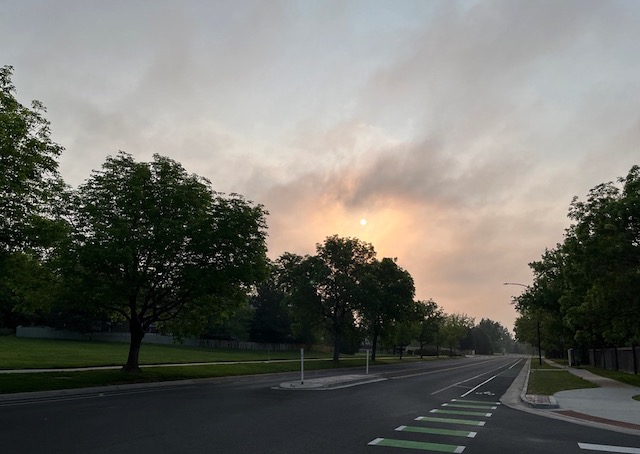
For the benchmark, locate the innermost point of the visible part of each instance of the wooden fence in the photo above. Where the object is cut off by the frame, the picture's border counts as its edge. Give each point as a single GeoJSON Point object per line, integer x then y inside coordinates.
{"type": "Point", "coordinates": [626, 359]}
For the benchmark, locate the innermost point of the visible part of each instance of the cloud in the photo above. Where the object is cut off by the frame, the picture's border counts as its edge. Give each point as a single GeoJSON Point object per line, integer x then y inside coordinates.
{"type": "Point", "coordinates": [460, 130]}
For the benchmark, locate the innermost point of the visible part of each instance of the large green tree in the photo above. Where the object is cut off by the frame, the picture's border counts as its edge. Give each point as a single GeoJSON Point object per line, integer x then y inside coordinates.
{"type": "Point", "coordinates": [272, 320]}
{"type": "Point", "coordinates": [31, 192]}
{"type": "Point", "coordinates": [601, 298]}
{"type": "Point", "coordinates": [586, 290]}
{"type": "Point", "coordinates": [154, 244]}
{"type": "Point", "coordinates": [455, 328]}
{"type": "Point", "coordinates": [387, 293]}
{"type": "Point", "coordinates": [497, 335]}
{"type": "Point", "coordinates": [326, 287]}
{"type": "Point", "coordinates": [429, 318]}
{"type": "Point", "coordinates": [29, 180]}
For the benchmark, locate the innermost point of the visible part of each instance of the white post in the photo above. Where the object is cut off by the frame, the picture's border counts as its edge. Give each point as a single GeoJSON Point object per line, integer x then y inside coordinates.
{"type": "Point", "coordinates": [302, 366]}
{"type": "Point", "coordinates": [367, 362]}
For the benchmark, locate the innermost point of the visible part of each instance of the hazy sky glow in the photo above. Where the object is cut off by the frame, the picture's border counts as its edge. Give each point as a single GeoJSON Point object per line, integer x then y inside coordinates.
{"type": "Point", "coordinates": [459, 130]}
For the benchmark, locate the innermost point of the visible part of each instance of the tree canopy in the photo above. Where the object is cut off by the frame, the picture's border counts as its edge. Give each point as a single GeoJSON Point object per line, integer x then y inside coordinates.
{"type": "Point", "coordinates": [586, 290]}
{"type": "Point", "coordinates": [326, 286]}
{"type": "Point", "coordinates": [386, 299]}
{"type": "Point", "coordinates": [153, 244]}
{"type": "Point", "coordinates": [29, 181]}
{"type": "Point", "coordinates": [31, 192]}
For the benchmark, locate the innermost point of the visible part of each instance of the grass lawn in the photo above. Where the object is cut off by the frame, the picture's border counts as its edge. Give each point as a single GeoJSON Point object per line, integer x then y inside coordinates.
{"type": "Point", "coordinates": [629, 379]}
{"type": "Point", "coordinates": [547, 382]}
{"type": "Point", "coordinates": [12, 383]}
{"type": "Point", "coordinates": [20, 353]}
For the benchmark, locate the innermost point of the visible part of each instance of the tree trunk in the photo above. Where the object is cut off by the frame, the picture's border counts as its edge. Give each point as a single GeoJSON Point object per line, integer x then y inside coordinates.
{"type": "Point", "coordinates": [374, 346]}
{"type": "Point", "coordinates": [336, 346]}
{"type": "Point", "coordinates": [137, 333]}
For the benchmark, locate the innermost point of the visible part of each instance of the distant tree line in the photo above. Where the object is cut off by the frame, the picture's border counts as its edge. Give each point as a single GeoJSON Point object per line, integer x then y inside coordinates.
{"type": "Point", "coordinates": [586, 290]}
{"type": "Point", "coordinates": [149, 246]}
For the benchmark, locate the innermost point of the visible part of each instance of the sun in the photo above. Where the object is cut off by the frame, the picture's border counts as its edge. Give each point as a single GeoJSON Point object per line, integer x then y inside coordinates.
{"type": "Point", "coordinates": [363, 221]}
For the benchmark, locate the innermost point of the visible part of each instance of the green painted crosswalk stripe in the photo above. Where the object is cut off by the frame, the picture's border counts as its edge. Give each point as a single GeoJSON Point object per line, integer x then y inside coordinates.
{"type": "Point", "coordinates": [464, 422]}
{"type": "Point", "coordinates": [434, 431]}
{"type": "Point", "coordinates": [475, 401]}
{"type": "Point", "coordinates": [462, 413]}
{"type": "Point", "coordinates": [472, 406]}
{"type": "Point", "coordinates": [435, 447]}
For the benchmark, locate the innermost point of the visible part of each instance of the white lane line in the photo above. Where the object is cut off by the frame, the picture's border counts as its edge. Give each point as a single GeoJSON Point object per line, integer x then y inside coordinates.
{"type": "Point", "coordinates": [466, 401]}
{"type": "Point", "coordinates": [473, 389]}
{"type": "Point", "coordinates": [514, 364]}
{"type": "Point", "coordinates": [608, 448]}
{"type": "Point", "coordinates": [459, 383]}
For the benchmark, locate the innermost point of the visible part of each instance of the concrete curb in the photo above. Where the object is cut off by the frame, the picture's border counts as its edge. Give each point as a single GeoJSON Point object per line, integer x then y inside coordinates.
{"type": "Point", "coordinates": [331, 383]}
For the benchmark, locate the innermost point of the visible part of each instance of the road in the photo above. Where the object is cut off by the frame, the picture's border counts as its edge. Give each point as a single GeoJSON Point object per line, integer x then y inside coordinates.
{"type": "Point", "coordinates": [439, 406]}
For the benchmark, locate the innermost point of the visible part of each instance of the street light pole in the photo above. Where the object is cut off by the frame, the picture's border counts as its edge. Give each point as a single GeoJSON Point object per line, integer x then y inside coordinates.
{"type": "Point", "coordinates": [537, 323]}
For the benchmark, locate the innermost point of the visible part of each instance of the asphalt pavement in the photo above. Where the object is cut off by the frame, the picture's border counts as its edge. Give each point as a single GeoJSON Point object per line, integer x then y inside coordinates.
{"type": "Point", "coordinates": [610, 406]}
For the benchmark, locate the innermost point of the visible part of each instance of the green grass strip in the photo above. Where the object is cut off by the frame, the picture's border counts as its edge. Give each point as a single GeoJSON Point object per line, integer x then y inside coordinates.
{"type": "Point", "coordinates": [24, 353]}
{"type": "Point", "coordinates": [624, 377]}
{"type": "Point", "coordinates": [45, 381]}
{"type": "Point", "coordinates": [547, 384]}
{"type": "Point", "coordinates": [434, 447]}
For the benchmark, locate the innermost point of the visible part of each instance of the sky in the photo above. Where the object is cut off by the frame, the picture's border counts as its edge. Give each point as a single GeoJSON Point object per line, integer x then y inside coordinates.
{"type": "Point", "coordinates": [460, 130]}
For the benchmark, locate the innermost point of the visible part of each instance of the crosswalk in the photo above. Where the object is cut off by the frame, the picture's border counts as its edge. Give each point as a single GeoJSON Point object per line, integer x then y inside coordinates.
{"type": "Point", "coordinates": [454, 419]}
{"type": "Point", "coordinates": [446, 428]}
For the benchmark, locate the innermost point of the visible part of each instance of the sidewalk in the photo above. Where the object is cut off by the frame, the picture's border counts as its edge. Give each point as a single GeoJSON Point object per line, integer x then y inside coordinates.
{"type": "Point", "coordinates": [611, 405]}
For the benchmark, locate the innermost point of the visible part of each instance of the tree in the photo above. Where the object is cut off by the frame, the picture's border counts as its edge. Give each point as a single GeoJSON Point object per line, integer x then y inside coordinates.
{"type": "Point", "coordinates": [454, 329]}
{"type": "Point", "coordinates": [272, 321]}
{"type": "Point", "coordinates": [155, 245]}
{"type": "Point", "coordinates": [586, 290]}
{"type": "Point", "coordinates": [325, 287]}
{"type": "Point", "coordinates": [28, 158]}
{"type": "Point", "coordinates": [31, 191]}
{"type": "Point", "coordinates": [386, 295]}
{"type": "Point", "coordinates": [429, 319]}
{"type": "Point", "coordinates": [233, 325]}
{"type": "Point", "coordinates": [496, 334]}
{"type": "Point", "coordinates": [401, 333]}
{"type": "Point", "coordinates": [601, 299]}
